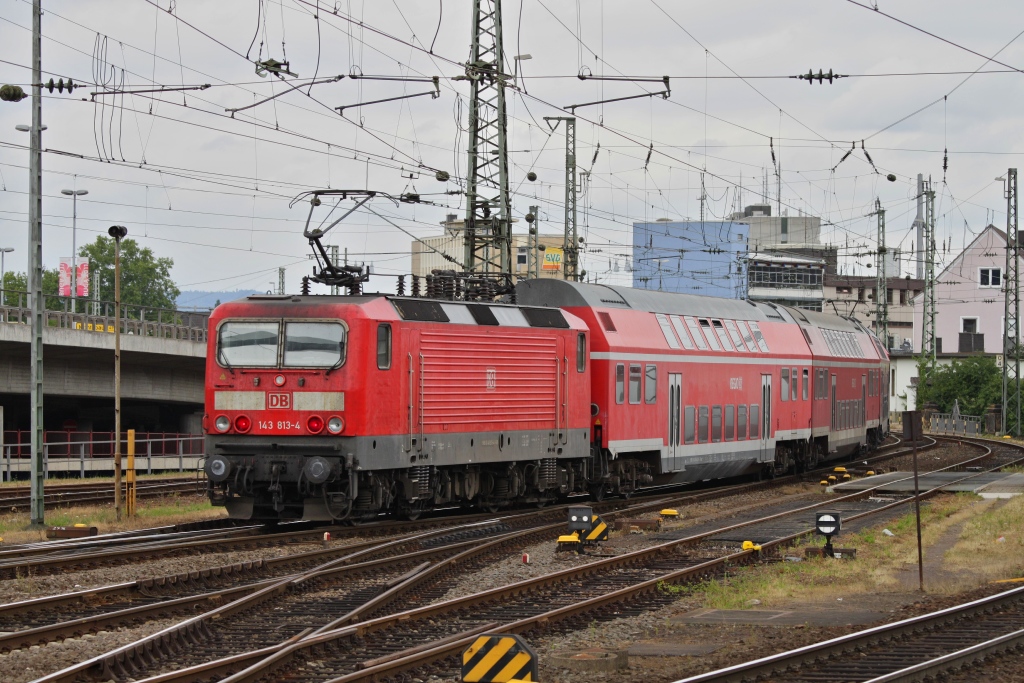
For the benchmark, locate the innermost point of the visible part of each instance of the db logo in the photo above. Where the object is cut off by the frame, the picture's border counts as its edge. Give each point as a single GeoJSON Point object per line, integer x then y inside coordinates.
{"type": "Point", "coordinates": [492, 379]}
{"type": "Point", "coordinates": [279, 401]}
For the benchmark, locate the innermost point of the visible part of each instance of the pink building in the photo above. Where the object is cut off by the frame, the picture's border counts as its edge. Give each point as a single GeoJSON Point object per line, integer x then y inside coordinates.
{"type": "Point", "coordinates": [969, 299]}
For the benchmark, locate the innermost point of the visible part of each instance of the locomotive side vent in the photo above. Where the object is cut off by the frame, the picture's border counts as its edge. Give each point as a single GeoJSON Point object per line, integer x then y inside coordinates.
{"type": "Point", "coordinates": [420, 476]}
{"type": "Point", "coordinates": [548, 472]}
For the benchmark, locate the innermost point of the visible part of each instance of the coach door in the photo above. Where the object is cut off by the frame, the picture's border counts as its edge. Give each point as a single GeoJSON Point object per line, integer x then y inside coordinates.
{"type": "Point", "coordinates": [863, 400]}
{"type": "Point", "coordinates": [766, 453]}
{"type": "Point", "coordinates": [675, 427]}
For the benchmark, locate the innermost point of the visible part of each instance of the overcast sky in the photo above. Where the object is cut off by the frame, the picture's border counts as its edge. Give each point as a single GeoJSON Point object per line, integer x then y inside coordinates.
{"type": "Point", "coordinates": [212, 191]}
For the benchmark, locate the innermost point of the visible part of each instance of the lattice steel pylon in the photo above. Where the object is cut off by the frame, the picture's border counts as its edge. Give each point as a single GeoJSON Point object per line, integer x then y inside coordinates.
{"type": "Point", "coordinates": [881, 282]}
{"type": "Point", "coordinates": [488, 237]}
{"type": "Point", "coordinates": [928, 342]}
{"type": "Point", "coordinates": [1011, 313]}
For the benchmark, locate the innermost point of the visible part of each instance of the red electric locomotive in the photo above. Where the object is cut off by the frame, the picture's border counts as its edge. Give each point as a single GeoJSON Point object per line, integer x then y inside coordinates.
{"type": "Point", "coordinates": [345, 407]}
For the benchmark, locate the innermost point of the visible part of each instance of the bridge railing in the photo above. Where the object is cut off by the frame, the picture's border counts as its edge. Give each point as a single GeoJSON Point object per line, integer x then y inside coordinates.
{"type": "Point", "coordinates": [63, 444]}
{"type": "Point", "coordinates": [100, 317]}
{"type": "Point", "coordinates": [66, 451]}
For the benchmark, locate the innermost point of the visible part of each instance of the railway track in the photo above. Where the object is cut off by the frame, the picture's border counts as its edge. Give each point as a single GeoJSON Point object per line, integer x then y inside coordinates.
{"type": "Point", "coordinates": [18, 499]}
{"type": "Point", "coordinates": [82, 554]}
{"type": "Point", "coordinates": [909, 650]}
{"type": "Point", "coordinates": [426, 633]}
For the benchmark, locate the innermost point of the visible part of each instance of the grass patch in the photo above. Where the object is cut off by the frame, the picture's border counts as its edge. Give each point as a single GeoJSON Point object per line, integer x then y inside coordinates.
{"type": "Point", "coordinates": [880, 557]}
{"type": "Point", "coordinates": [150, 512]}
{"type": "Point", "coordinates": [992, 543]}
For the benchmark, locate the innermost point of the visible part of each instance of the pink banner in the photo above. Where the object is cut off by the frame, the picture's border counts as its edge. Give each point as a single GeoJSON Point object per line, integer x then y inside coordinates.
{"type": "Point", "coordinates": [64, 278]}
{"type": "Point", "coordinates": [82, 278]}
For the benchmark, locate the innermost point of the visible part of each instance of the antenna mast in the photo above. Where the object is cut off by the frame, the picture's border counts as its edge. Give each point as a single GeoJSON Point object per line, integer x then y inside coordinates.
{"type": "Point", "coordinates": [488, 237]}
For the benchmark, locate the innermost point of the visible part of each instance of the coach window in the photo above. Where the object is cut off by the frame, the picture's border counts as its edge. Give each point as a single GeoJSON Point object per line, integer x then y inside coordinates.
{"type": "Point", "coordinates": [702, 425]}
{"type": "Point", "coordinates": [730, 424]}
{"type": "Point", "coordinates": [650, 384]}
{"type": "Point", "coordinates": [634, 383]}
{"type": "Point", "coordinates": [741, 423]}
{"type": "Point", "coordinates": [695, 332]}
{"type": "Point", "coordinates": [383, 346]}
{"type": "Point", "coordinates": [796, 384]}
{"type": "Point", "coordinates": [716, 423]}
{"type": "Point", "coordinates": [807, 382]}
{"type": "Point", "coordinates": [314, 345]}
{"type": "Point", "coordinates": [709, 334]}
{"type": "Point", "coordinates": [784, 393]}
{"type": "Point", "coordinates": [581, 352]}
{"type": "Point", "coordinates": [755, 423]}
{"type": "Point", "coordinates": [620, 383]}
{"type": "Point", "coordinates": [688, 424]}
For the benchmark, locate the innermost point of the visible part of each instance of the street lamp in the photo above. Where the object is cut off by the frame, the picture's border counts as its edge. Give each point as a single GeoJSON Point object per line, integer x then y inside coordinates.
{"type": "Point", "coordinates": [117, 232]}
{"type": "Point", "coordinates": [74, 194]}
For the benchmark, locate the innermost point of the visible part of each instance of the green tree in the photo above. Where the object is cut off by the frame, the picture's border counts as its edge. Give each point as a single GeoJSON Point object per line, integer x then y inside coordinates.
{"type": "Point", "coordinates": [976, 381]}
{"type": "Point", "coordinates": [145, 279]}
{"type": "Point", "coordinates": [16, 282]}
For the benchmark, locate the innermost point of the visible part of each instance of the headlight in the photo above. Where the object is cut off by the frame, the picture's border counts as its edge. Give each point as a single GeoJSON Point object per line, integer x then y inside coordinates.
{"type": "Point", "coordinates": [223, 424]}
{"type": "Point", "coordinates": [335, 425]}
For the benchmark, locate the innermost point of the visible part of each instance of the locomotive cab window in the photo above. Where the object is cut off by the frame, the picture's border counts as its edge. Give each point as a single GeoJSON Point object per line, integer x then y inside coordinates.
{"type": "Point", "coordinates": [313, 345]}
{"type": "Point", "coordinates": [620, 383]}
{"type": "Point", "coordinates": [650, 384]}
{"type": "Point", "coordinates": [634, 384]}
{"type": "Point", "coordinates": [384, 346]}
{"type": "Point", "coordinates": [581, 352]}
{"type": "Point", "coordinates": [248, 344]}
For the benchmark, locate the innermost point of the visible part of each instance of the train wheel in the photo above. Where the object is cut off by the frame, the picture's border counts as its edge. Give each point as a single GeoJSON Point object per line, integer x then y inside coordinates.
{"type": "Point", "coordinates": [412, 511]}
{"type": "Point", "coordinates": [597, 493]}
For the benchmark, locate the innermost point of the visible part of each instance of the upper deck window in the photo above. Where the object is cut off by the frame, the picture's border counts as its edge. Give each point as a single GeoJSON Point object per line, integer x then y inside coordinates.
{"type": "Point", "coordinates": [710, 335]}
{"type": "Point", "coordinates": [248, 344]}
{"type": "Point", "coordinates": [313, 344]}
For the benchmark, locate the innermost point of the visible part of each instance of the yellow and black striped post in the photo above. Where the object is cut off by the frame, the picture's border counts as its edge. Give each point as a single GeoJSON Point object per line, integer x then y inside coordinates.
{"type": "Point", "coordinates": [499, 658]}
{"type": "Point", "coordinates": [598, 531]}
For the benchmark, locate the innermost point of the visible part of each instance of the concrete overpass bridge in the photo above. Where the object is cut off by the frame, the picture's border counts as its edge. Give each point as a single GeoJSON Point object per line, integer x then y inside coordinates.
{"type": "Point", "coordinates": [163, 357]}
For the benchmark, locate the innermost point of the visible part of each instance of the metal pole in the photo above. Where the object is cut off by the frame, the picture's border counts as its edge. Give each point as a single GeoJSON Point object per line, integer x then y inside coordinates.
{"type": "Point", "coordinates": [35, 265]}
{"type": "Point", "coordinates": [881, 284]}
{"type": "Point", "coordinates": [130, 484]}
{"type": "Point", "coordinates": [533, 242]}
{"type": "Point", "coordinates": [74, 249]}
{"type": "Point", "coordinates": [1011, 313]}
{"type": "Point", "coordinates": [117, 232]}
{"type": "Point", "coordinates": [917, 513]}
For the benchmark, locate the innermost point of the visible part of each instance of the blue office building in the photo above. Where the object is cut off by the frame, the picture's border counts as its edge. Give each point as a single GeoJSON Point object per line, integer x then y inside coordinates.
{"type": "Point", "coordinates": [695, 257]}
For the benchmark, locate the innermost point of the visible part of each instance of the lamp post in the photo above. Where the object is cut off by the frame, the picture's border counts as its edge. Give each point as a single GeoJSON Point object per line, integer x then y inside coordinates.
{"type": "Point", "coordinates": [74, 194]}
{"type": "Point", "coordinates": [117, 232]}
